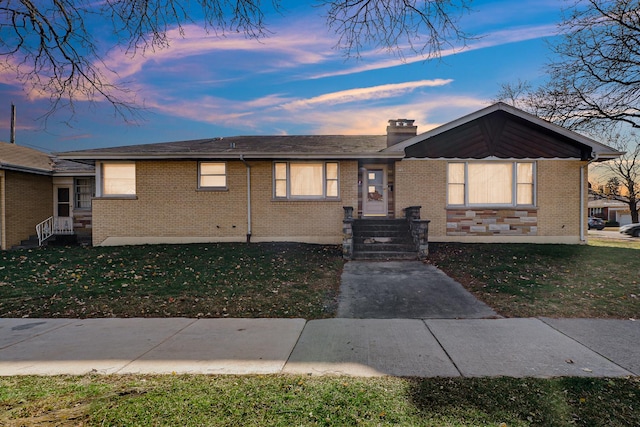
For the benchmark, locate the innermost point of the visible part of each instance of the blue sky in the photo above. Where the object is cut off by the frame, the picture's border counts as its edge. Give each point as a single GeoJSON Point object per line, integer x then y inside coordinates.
{"type": "Point", "coordinates": [294, 82]}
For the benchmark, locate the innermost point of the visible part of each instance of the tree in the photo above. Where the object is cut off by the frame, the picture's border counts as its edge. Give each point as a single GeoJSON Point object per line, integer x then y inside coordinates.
{"type": "Point", "coordinates": [612, 187]}
{"type": "Point", "coordinates": [593, 86]}
{"type": "Point", "coordinates": [596, 77]}
{"type": "Point", "coordinates": [623, 173]}
{"type": "Point", "coordinates": [52, 49]}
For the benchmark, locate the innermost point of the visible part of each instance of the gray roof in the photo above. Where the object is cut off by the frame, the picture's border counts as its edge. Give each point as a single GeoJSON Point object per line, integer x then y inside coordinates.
{"type": "Point", "coordinates": [24, 159]}
{"type": "Point", "coordinates": [69, 168]}
{"type": "Point", "coordinates": [254, 147]}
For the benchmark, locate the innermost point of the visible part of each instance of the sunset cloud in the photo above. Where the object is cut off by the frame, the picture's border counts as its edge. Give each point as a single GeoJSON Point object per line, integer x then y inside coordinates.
{"type": "Point", "coordinates": [364, 94]}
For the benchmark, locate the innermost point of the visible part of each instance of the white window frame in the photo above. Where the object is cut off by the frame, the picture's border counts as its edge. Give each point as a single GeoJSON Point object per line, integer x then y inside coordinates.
{"type": "Point", "coordinates": [91, 191]}
{"type": "Point", "coordinates": [100, 180]}
{"type": "Point", "coordinates": [213, 188]}
{"type": "Point", "coordinates": [515, 181]}
{"type": "Point", "coordinates": [325, 180]}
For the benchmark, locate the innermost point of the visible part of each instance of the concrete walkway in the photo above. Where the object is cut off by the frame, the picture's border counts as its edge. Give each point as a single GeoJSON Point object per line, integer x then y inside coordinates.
{"type": "Point", "coordinates": [363, 347]}
{"type": "Point", "coordinates": [405, 290]}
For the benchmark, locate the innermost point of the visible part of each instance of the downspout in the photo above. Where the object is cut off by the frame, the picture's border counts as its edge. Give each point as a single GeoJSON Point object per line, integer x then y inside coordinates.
{"type": "Point", "coordinates": [248, 197]}
{"type": "Point", "coordinates": [582, 187]}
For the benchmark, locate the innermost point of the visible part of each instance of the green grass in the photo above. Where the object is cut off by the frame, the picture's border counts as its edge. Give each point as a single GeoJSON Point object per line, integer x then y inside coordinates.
{"type": "Point", "coordinates": [213, 280]}
{"type": "Point", "coordinates": [297, 280]}
{"type": "Point", "coordinates": [524, 280]}
{"type": "Point", "coordinates": [306, 401]}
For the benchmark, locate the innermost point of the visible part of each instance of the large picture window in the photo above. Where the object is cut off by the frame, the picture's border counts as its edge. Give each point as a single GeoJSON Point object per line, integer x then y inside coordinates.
{"type": "Point", "coordinates": [490, 183]}
{"type": "Point", "coordinates": [305, 180]}
{"type": "Point", "coordinates": [212, 175]}
{"type": "Point", "coordinates": [118, 179]}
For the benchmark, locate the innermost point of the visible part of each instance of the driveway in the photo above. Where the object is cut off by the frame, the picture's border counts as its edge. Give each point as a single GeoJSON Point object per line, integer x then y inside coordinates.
{"type": "Point", "coordinates": [404, 290]}
{"type": "Point", "coordinates": [609, 234]}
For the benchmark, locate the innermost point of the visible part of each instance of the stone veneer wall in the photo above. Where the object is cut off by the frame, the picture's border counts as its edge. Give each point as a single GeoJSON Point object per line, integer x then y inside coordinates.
{"type": "Point", "coordinates": [492, 222]}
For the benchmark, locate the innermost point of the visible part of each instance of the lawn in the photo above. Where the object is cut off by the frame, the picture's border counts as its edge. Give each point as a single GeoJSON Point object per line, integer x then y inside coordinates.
{"type": "Point", "coordinates": [297, 280]}
{"type": "Point", "coordinates": [601, 279]}
{"type": "Point", "coordinates": [305, 401]}
{"type": "Point", "coordinates": [212, 280]}
{"type": "Point", "coordinates": [300, 280]}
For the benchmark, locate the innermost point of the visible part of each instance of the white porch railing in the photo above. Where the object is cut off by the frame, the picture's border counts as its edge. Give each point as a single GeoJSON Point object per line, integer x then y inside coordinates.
{"type": "Point", "coordinates": [54, 225]}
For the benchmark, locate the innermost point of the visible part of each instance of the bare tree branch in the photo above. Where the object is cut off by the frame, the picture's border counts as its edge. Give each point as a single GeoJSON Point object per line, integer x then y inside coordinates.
{"type": "Point", "coordinates": [425, 27]}
{"type": "Point", "coordinates": [598, 69]}
{"type": "Point", "coordinates": [52, 49]}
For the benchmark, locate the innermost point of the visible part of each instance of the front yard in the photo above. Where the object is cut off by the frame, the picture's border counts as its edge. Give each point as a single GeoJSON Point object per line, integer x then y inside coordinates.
{"type": "Point", "coordinates": [294, 280]}
{"type": "Point", "coordinates": [520, 280]}
{"type": "Point", "coordinates": [214, 280]}
{"type": "Point", "coordinates": [298, 280]}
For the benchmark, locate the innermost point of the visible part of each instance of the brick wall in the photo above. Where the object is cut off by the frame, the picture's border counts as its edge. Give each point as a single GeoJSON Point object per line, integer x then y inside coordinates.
{"type": "Point", "coordinates": [556, 217]}
{"type": "Point", "coordinates": [423, 183]}
{"type": "Point", "coordinates": [169, 208]}
{"type": "Point", "coordinates": [559, 197]}
{"type": "Point", "coordinates": [28, 201]}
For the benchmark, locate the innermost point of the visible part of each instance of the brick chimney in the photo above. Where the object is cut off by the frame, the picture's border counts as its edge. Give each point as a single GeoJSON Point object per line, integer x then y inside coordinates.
{"type": "Point", "coordinates": [400, 130]}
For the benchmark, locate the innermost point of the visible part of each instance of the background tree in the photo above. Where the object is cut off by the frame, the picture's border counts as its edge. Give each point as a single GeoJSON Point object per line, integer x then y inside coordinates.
{"type": "Point", "coordinates": [53, 48]}
{"type": "Point", "coordinates": [612, 187]}
{"type": "Point", "coordinates": [593, 86]}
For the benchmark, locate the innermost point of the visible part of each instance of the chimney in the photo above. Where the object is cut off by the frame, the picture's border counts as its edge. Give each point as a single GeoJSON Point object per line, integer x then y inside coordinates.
{"type": "Point", "coordinates": [400, 130]}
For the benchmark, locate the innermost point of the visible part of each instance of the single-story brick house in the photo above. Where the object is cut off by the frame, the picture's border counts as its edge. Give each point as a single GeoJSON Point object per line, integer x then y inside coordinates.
{"type": "Point", "coordinates": [36, 187]}
{"type": "Point", "coordinates": [496, 175]}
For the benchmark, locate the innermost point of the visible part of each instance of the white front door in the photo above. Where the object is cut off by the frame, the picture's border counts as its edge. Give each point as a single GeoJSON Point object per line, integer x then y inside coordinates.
{"type": "Point", "coordinates": [374, 191]}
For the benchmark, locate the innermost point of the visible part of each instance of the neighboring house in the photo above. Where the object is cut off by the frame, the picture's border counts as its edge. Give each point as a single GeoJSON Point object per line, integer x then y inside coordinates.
{"type": "Point", "coordinates": [496, 175]}
{"type": "Point", "coordinates": [610, 210]}
{"type": "Point", "coordinates": [34, 187]}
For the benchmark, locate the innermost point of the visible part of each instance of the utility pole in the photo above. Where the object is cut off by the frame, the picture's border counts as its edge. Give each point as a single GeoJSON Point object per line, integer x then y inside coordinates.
{"type": "Point", "coordinates": [12, 138]}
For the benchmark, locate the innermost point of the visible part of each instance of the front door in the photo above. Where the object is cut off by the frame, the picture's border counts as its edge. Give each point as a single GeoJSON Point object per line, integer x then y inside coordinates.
{"type": "Point", "coordinates": [63, 201]}
{"type": "Point", "coordinates": [374, 193]}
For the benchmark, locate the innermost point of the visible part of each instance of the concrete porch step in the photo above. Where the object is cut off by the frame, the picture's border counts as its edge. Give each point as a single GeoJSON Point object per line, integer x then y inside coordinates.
{"type": "Point", "coordinates": [384, 255]}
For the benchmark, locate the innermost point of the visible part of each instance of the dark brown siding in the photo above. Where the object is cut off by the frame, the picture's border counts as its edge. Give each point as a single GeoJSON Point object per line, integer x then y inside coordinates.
{"type": "Point", "coordinates": [499, 134]}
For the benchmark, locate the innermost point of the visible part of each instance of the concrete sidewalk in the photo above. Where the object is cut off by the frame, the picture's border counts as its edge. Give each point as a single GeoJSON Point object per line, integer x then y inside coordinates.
{"type": "Point", "coordinates": [363, 347]}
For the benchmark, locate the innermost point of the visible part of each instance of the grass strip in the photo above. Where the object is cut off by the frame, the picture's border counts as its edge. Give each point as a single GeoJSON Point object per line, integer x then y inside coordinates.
{"type": "Point", "coordinates": [302, 401]}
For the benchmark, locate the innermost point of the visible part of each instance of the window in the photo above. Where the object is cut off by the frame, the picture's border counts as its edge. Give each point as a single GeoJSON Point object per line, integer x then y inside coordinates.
{"type": "Point", "coordinates": [305, 180]}
{"type": "Point", "coordinates": [212, 175]}
{"type": "Point", "coordinates": [85, 191]}
{"type": "Point", "coordinates": [118, 179]}
{"type": "Point", "coordinates": [490, 183]}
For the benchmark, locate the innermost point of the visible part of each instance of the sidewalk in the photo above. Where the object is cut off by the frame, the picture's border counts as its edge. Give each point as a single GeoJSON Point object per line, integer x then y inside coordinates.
{"type": "Point", "coordinates": [363, 347]}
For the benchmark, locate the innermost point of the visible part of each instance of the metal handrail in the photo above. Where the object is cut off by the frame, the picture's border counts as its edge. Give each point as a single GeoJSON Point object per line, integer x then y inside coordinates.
{"type": "Point", "coordinates": [44, 230]}
{"type": "Point", "coordinates": [53, 225]}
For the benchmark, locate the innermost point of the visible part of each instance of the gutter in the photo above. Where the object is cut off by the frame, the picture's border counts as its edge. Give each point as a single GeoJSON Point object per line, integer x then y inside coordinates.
{"type": "Point", "coordinates": [248, 197]}
{"type": "Point", "coordinates": [81, 158]}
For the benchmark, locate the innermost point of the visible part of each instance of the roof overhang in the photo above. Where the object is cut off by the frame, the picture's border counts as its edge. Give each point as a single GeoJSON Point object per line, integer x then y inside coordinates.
{"type": "Point", "coordinates": [25, 169]}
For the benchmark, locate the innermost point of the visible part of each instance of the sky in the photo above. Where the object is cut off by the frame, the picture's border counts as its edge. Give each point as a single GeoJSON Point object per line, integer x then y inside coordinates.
{"type": "Point", "coordinates": [294, 82]}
